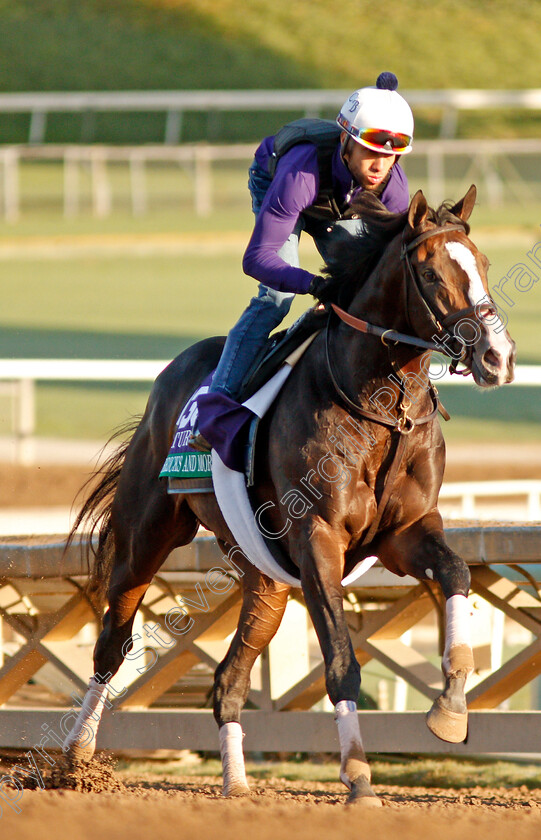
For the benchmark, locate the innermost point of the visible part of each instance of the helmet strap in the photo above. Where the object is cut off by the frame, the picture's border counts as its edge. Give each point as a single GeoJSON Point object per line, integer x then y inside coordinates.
{"type": "Point", "coordinates": [344, 148]}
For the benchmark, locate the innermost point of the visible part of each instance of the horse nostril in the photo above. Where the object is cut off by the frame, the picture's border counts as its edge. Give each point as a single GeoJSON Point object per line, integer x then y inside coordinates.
{"type": "Point", "coordinates": [492, 359]}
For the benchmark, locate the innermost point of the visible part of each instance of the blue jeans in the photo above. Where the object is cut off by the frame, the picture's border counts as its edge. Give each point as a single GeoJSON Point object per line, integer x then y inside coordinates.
{"type": "Point", "coordinates": [265, 312]}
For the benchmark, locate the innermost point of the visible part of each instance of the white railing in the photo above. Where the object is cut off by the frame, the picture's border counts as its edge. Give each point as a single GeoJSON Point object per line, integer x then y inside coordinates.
{"type": "Point", "coordinates": [197, 159]}
{"type": "Point", "coordinates": [308, 102]}
{"type": "Point", "coordinates": [21, 375]}
{"type": "Point", "coordinates": [491, 164]}
{"type": "Point", "coordinates": [515, 499]}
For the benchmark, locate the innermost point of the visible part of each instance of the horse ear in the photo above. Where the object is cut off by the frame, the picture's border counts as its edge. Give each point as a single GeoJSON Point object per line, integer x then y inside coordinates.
{"type": "Point", "coordinates": [463, 208]}
{"type": "Point", "coordinates": [418, 210]}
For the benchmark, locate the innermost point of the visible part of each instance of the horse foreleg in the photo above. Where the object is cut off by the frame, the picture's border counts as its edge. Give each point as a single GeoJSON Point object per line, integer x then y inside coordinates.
{"type": "Point", "coordinates": [421, 551]}
{"type": "Point", "coordinates": [322, 588]}
{"type": "Point", "coordinates": [448, 717]}
{"type": "Point", "coordinates": [263, 606]}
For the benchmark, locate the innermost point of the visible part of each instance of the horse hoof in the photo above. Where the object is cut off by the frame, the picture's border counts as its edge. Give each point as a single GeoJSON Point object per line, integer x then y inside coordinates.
{"type": "Point", "coordinates": [447, 725]}
{"type": "Point", "coordinates": [235, 790]}
{"type": "Point", "coordinates": [362, 794]}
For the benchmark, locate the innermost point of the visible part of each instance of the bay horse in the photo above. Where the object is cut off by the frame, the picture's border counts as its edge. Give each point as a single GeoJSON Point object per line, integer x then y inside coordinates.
{"type": "Point", "coordinates": [423, 283]}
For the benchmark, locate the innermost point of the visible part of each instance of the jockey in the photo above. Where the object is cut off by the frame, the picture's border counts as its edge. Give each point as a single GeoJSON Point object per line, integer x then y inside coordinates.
{"type": "Point", "coordinates": [303, 179]}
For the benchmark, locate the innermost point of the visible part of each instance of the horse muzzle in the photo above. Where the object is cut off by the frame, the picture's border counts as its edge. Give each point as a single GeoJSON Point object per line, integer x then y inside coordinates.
{"type": "Point", "coordinates": [492, 365]}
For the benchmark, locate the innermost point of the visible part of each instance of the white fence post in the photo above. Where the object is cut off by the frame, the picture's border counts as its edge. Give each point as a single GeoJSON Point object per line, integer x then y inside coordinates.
{"type": "Point", "coordinates": [38, 125]}
{"type": "Point", "coordinates": [173, 127]}
{"type": "Point", "coordinates": [101, 189]}
{"type": "Point", "coordinates": [71, 182]}
{"type": "Point", "coordinates": [11, 185]}
{"type": "Point", "coordinates": [203, 183]}
{"type": "Point", "coordinates": [26, 452]}
{"type": "Point", "coordinates": [138, 185]}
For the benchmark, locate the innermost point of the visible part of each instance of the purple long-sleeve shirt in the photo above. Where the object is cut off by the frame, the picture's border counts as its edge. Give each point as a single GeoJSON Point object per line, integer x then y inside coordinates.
{"type": "Point", "coordinates": [293, 189]}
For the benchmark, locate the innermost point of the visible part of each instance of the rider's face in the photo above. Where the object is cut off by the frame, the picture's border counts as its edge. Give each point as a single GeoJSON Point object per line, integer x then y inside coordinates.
{"type": "Point", "coordinates": [368, 168]}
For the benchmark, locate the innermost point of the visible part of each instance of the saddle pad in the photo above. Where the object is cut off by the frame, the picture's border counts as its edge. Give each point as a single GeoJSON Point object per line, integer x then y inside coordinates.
{"type": "Point", "coordinates": [186, 469]}
{"type": "Point", "coordinates": [189, 471]}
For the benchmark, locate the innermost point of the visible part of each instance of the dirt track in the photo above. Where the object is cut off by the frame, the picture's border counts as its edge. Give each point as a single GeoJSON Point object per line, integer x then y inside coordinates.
{"type": "Point", "coordinates": [193, 807]}
{"type": "Point", "coordinates": [155, 807]}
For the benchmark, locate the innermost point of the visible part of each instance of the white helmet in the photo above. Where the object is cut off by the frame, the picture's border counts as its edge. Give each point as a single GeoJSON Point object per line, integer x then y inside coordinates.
{"type": "Point", "coordinates": [379, 118]}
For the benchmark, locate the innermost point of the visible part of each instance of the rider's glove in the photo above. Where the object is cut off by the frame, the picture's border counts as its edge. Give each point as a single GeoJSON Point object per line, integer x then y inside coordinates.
{"type": "Point", "coordinates": [322, 288]}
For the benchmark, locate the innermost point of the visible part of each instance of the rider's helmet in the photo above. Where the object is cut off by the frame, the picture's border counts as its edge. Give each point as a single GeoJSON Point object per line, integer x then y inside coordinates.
{"type": "Point", "coordinates": [379, 118]}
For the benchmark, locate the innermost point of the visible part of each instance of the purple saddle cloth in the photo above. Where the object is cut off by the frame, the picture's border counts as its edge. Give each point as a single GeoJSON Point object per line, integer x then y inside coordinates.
{"type": "Point", "coordinates": [225, 424]}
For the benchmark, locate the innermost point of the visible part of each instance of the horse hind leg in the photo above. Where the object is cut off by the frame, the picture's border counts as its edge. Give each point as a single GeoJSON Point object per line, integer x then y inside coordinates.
{"type": "Point", "coordinates": [138, 554]}
{"type": "Point", "coordinates": [263, 606]}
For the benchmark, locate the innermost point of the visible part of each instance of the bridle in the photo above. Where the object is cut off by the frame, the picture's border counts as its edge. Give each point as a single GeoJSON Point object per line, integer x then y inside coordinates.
{"type": "Point", "coordinates": [440, 322]}
{"type": "Point", "coordinates": [403, 424]}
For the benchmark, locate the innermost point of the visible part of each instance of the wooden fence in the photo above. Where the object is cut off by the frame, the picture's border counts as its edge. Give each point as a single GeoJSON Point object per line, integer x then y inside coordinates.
{"type": "Point", "coordinates": [50, 624]}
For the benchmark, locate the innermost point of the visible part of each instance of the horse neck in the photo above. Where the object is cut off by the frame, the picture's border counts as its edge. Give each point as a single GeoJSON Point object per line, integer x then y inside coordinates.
{"type": "Point", "coordinates": [381, 301]}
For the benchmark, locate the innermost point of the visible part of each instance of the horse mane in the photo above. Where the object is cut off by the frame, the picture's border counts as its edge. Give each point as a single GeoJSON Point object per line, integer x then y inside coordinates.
{"type": "Point", "coordinates": [351, 262]}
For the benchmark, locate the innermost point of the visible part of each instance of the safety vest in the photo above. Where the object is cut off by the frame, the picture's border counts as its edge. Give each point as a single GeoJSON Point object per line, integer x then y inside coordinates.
{"type": "Point", "coordinates": [324, 135]}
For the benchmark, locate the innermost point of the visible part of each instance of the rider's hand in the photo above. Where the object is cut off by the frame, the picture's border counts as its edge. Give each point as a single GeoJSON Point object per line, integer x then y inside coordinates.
{"type": "Point", "coordinates": [321, 288]}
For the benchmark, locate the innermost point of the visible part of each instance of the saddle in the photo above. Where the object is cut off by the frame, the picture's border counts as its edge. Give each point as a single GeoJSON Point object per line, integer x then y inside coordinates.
{"type": "Point", "coordinates": [279, 346]}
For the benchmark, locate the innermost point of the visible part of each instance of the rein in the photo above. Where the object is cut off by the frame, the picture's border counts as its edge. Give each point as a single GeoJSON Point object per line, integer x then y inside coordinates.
{"type": "Point", "coordinates": [384, 333]}
{"type": "Point", "coordinates": [403, 423]}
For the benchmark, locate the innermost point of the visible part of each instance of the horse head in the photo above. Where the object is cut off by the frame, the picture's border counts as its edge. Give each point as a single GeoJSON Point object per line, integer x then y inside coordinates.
{"type": "Point", "coordinates": [447, 290]}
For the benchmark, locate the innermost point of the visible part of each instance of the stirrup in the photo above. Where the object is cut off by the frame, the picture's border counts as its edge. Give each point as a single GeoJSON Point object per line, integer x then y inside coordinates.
{"type": "Point", "coordinates": [199, 443]}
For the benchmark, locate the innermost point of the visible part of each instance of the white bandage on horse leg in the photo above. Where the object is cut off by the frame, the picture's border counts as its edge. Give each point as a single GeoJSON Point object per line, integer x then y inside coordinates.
{"type": "Point", "coordinates": [352, 758]}
{"type": "Point", "coordinates": [457, 655]}
{"type": "Point", "coordinates": [85, 728]}
{"type": "Point", "coordinates": [234, 774]}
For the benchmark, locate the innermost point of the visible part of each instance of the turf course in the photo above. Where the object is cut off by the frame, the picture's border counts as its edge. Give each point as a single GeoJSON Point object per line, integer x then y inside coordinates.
{"type": "Point", "coordinates": [77, 305]}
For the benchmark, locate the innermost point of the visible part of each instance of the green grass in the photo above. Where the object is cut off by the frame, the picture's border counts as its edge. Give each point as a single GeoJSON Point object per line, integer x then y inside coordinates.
{"type": "Point", "coordinates": [92, 304]}
{"type": "Point", "coordinates": [199, 44]}
{"type": "Point", "coordinates": [154, 307]}
{"type": "Point", "coordinates": [410, 772]}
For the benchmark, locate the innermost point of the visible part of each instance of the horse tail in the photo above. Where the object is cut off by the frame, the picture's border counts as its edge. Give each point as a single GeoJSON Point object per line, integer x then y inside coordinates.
{"type": "Point", "coordinates": [94, 517]}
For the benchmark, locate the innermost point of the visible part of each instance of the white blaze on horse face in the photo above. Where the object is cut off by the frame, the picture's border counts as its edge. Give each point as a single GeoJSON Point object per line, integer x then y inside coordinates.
{"type": "Point", "coordinates": [495, 330]}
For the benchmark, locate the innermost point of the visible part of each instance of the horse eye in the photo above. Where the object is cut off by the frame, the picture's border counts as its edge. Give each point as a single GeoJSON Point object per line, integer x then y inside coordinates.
{"type": "Point", "coordinates": [430, 275]}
